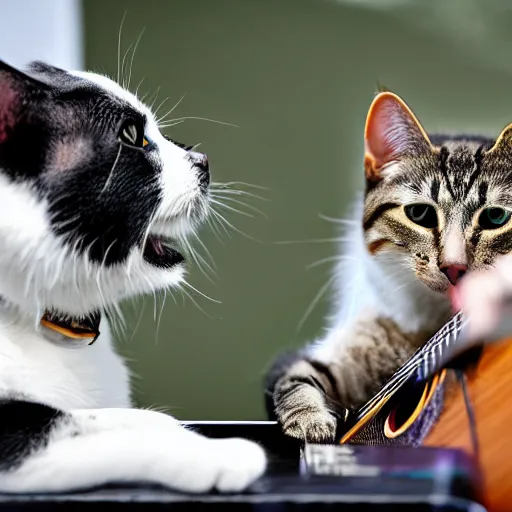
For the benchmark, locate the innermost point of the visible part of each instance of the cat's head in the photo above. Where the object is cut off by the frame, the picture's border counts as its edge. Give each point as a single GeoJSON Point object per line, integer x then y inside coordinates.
{"type": "Point", "coordinates": [438, 205]}
{"type": "Point", "coordinates": [94, 200]}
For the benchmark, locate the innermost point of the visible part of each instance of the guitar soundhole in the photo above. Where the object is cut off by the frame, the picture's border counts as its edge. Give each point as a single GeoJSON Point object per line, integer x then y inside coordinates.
{"type": "Point", "coordinates": [410, 404]}
{"type": "Point", "coordinates": [403, 415]}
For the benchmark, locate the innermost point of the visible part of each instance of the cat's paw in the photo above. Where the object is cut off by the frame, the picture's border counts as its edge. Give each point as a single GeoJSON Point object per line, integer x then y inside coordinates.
{"type": "Point", "coordinates": [196, 464]}
{"type": "Point", "coordinates": [241, 462]}
{"type": "Point", "coordinates": [311, 426]}
{"type": "Point", "coordinates": [485, 296]}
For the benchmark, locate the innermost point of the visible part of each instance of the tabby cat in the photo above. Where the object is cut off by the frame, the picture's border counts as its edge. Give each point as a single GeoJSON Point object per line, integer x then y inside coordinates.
{"type": "Point", "coordinates": [434, 208]}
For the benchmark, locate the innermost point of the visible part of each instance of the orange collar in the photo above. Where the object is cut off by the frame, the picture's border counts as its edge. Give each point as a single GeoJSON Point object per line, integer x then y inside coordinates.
{"type": "Point", "coordinates": [84, 329]}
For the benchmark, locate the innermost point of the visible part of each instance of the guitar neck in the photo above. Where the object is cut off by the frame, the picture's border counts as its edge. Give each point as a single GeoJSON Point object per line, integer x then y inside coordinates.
{"type": "Point", "coordinates": [441, 348]}
{"type": "Point", "coordinates": [426, 361]}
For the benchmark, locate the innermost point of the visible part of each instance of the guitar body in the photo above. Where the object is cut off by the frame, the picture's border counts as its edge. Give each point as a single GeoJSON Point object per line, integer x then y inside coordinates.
{"type": "Point", "coordinates": [424, 405]}
{"type": "Point", "coordinates": [490, 391]}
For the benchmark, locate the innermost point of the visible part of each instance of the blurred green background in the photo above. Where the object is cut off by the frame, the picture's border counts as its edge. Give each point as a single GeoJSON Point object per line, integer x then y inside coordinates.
{"type": "Point", "coordinates": [296, 77]}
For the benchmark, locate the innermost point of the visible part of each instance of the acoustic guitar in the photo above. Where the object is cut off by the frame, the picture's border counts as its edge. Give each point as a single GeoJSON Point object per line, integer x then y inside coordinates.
{"type": "Point", "coordinates": [448, 394]}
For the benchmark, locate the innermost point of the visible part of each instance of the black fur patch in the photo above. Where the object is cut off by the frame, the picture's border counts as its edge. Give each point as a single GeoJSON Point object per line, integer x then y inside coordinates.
{"type": "Point", "coordinates": [24, 427]}
{"type": "Point", "coordinates": [434, 190]}
{"type": "Point", "coordinates": [482, 192]}
{"type": "Point", "coordinates": [443, 159]}
{"type": "Point", "coordinates": [103, 200]}
{"type": "Point", "coordinates": [383, 208]}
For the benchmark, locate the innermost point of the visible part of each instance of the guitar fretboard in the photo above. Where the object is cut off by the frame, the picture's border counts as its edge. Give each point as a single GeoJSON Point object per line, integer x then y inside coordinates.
{"type": "Point", "coordinates": [434, 353]}
{"type": "Point", "coordinates": [423, 363]}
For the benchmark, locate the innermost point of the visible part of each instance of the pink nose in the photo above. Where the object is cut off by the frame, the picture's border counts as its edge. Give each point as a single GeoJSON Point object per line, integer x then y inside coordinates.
{"type": "Point", "coordinates": [454, 272]}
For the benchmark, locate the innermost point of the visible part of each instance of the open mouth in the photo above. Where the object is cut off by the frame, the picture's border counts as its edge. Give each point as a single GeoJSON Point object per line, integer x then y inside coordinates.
{"type": "Point", "coordinates": [158, 252]}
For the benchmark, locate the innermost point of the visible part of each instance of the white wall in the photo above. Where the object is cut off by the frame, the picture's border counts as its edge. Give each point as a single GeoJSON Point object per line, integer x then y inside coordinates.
{"type": "Point", "coordinates": [49, 30]}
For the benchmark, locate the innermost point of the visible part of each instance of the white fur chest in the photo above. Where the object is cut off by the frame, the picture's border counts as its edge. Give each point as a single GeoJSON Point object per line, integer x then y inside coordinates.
{"type": "Point", "coordinates": [66, 378]}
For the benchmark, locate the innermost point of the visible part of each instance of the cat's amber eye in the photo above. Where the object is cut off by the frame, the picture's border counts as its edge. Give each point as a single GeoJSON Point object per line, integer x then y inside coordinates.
{"type": "Point", "coordinates": [422, 214]}
{"type": "Point", "coordinates": [493, 218]}
{"type": "Point", "coordinates": [132, 134]}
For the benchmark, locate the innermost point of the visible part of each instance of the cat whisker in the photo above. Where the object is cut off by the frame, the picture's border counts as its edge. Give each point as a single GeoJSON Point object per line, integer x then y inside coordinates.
{"type": "Point", "coordinates": [322, 261]}
{"type": "Point", "coordinates": [157, 332]}
{"type": "Point", "coordinates": [233, 188]}
{"type": "Point", "coordinates": [162, 126]}
{"type": "Point", "coordinates": [223, 220]}
{"type": "Point", "coordinates": [157, 408]}
{"type": "Point", "coordinates": [216, 198]}
{"type": "Point", "coordinates": [133, 55]}
{"type": "Point", "coordinates": [118, 320]}
{"type": "Point", "coordinates": [141, 313]}
{"type": "Point", "coordinates": [109, 179]}
{"type": "Point", "coordinates": [193, 300]}
{"type": "Point", "coordinates": [228, 184]}
{"type": "Point", "coordinates": [200, 242]}
{"type": "Point", "coordinates": [60, 225]}
{"type": "Point", "coordinates": [217, 222]}
{"type": "Point", "coordinates": [401, 286]}
{"type": "Point", "coordinates": [347, 257]}
{"type": "Point", "coordinates": [88, 259]}
{"type": "Point", "coordinates": [227, 207]}
{"type": "Point", "coordinates": [199, 261]}
{"type": "Point", "coordinates": [169, 112]}
{"type": "Point", "coordinates": [236, 193]}
{"type": "Point", "coordinates": [153, 292]}
{"type": "Point", "coordinates": [138, 86]}
{"type": "Point", "coordinates": [215, 231]}
{"type": "Point", "coordinates": [144, 96]}
{"type": "Point", "coordinates": [347, 222]}
{"type": "Point", "coordinates": [160, 105]}
{"type": "Point", "coordinates": [195, 146]}
{"type": "Point", "coordinates": [186, 283]}
{"type": "Point", "coordinates": [119, 48]}
{"type": "Point", "coordinates": [154, 99]}
{"type": "Point", "coordinates": [312, 241]}
{"type": "Point", "coordinates": [197, 118]}
{"type": "Point", "coordinates": [315, 301]}
{"type": "Point", "coordinates": [123, 81]}
{"type": "Point", "coordinates": [74, 253]}
{"type": "Point", "coordinates": [241, 203]}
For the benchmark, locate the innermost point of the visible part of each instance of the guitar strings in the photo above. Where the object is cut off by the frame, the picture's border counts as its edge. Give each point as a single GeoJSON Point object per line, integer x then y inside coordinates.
{"type": "Point", "coordinates": [420, 362]}
{"type": "Point", "coordinates": [461, 377]}
{"type": "Point", "coordinates": [426, 360]}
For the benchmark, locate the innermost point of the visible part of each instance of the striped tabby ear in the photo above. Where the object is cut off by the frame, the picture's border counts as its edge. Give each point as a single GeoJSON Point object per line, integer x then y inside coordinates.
{"type": "Point", "coordinates": [504, 141]}
{"type": "Point", "coordinates": [392, 132]}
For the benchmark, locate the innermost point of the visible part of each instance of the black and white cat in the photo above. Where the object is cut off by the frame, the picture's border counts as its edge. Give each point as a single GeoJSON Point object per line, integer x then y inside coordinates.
{"type": "Point", "coordinates": [93, 203]}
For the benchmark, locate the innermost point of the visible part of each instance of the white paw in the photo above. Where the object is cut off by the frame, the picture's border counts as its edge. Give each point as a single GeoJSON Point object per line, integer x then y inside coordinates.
{"type": "Point", "coordinates": [227, 465]}
{"type": "Point", "coordinates": [240, 463]}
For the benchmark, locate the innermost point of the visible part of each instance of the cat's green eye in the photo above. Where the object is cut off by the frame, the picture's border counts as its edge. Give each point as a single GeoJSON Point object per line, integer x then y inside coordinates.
{"type": "Point", "coordinates": [493, 218]}
{"type": "Point", "coordinates": [422, 214]}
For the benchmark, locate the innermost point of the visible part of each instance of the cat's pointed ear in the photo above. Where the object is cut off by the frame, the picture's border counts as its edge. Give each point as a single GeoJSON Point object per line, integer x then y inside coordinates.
{"type": "Point", "coordinates": [18, 92]}
{"type": "Point", "coordinates": [504, 140]}
{"type": "Point", "coordinates": [392, 132]}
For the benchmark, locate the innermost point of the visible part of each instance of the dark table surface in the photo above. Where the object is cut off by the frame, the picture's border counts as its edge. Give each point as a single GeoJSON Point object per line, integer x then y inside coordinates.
{"type": "Point", "coordinates": [303, 478]}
